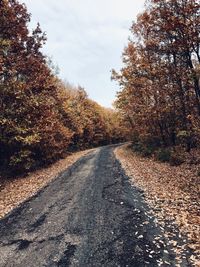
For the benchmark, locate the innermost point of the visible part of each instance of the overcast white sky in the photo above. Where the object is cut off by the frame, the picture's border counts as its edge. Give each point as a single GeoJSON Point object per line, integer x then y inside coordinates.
{"type": "Point", "coordinates": [86, 39]}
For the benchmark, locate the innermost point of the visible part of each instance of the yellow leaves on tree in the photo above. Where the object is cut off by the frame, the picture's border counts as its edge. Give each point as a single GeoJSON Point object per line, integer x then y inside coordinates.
{"type": "Point", "coordinates": [41, 118]}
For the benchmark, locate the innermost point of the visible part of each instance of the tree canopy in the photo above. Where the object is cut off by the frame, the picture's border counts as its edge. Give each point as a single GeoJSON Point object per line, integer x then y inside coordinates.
{"type": "Point", "coordinates": [42, 118]}
{"type": "Point", "coordinates": [160, 88]}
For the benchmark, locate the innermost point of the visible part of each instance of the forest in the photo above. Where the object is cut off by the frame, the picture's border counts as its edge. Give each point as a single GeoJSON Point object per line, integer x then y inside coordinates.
{"type": "Point", "coordinates": [160, 79]}
{"type": "Point", "coordinates": [42, 118]}
{"type": "Point", "coordinates": [68, 197]}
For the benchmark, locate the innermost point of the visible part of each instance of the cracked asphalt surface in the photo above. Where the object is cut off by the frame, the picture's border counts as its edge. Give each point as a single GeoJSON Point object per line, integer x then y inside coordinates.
{"type": "Point", "coordinates": [89, 215]}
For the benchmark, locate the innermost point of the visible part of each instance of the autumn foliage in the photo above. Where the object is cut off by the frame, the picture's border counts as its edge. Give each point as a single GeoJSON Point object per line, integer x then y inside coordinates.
{"type": "Point", "coordinates": [41, 118]}
{"type": "Point", "coordinates": [160, 85]}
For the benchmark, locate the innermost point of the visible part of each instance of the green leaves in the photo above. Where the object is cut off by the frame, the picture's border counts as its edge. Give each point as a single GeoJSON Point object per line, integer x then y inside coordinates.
{"type": "Point", "coordinates": [21, 161]}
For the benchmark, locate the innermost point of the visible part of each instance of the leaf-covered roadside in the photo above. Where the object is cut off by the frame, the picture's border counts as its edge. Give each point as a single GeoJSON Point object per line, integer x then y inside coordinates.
{"type": "Point", "coordinates": [173, 194]}
{"type": "Point", "coordinates": [15, 191]}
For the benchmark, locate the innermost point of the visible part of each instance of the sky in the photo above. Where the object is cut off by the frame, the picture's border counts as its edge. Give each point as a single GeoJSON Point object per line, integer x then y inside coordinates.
{"type": "Point", "coordinates": [85, 39]}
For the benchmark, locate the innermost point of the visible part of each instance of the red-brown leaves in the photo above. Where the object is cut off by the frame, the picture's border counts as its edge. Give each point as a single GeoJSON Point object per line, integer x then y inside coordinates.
{"type": "Point", "coordinates": [41, 118]}
{"type": "Point", "coordinates": [160, 77]}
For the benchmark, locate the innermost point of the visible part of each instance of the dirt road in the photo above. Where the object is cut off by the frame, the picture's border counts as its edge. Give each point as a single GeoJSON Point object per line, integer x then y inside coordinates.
{"type": "Point", "coordinates": [89, 216]}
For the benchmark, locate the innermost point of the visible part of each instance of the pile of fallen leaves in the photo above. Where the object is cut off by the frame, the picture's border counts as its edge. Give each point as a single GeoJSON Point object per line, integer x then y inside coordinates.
{"type": "Point", "coordinates": [173, 194]}
{"type": "Point", "coordinates": [15, 191]}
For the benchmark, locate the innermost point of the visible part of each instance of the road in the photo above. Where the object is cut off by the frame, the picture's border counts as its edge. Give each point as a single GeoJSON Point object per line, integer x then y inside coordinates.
{"type": "Point", "coordinates": [90, 215]}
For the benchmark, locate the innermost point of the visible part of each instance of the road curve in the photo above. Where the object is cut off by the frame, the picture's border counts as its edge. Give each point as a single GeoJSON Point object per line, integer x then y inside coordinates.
{"type": "Point", "coordinates": [89, 215]}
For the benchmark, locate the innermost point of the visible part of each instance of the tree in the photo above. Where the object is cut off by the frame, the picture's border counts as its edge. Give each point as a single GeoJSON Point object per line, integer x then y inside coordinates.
{"type": "Point", "coordinates": [30, 128]}
{"type": "Point", "coordinates": [159, 80]}
{"type": "Point", "coordinates": [42, 119]}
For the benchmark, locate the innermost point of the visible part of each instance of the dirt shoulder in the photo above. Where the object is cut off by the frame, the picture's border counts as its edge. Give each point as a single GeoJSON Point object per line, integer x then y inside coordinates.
{"type": "Point", "coordinates": [17, 190]}
{"type": "Point", "coordinates": [173, 194]}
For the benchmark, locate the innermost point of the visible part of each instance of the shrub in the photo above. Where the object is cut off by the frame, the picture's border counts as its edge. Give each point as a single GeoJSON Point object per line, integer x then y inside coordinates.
{"type": "Point", "coordinates": [146, 150]}
{"type": "Point", "coordinates": [21, 162]}
{"type": "Point", "coordinates": [176, 159]}
{"type": "Point", "coordinates": [163, 155]}
{"type": "Point", "coordinates": [137, 147]}
{"type": "Point", "coordinates": [150, 145]}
